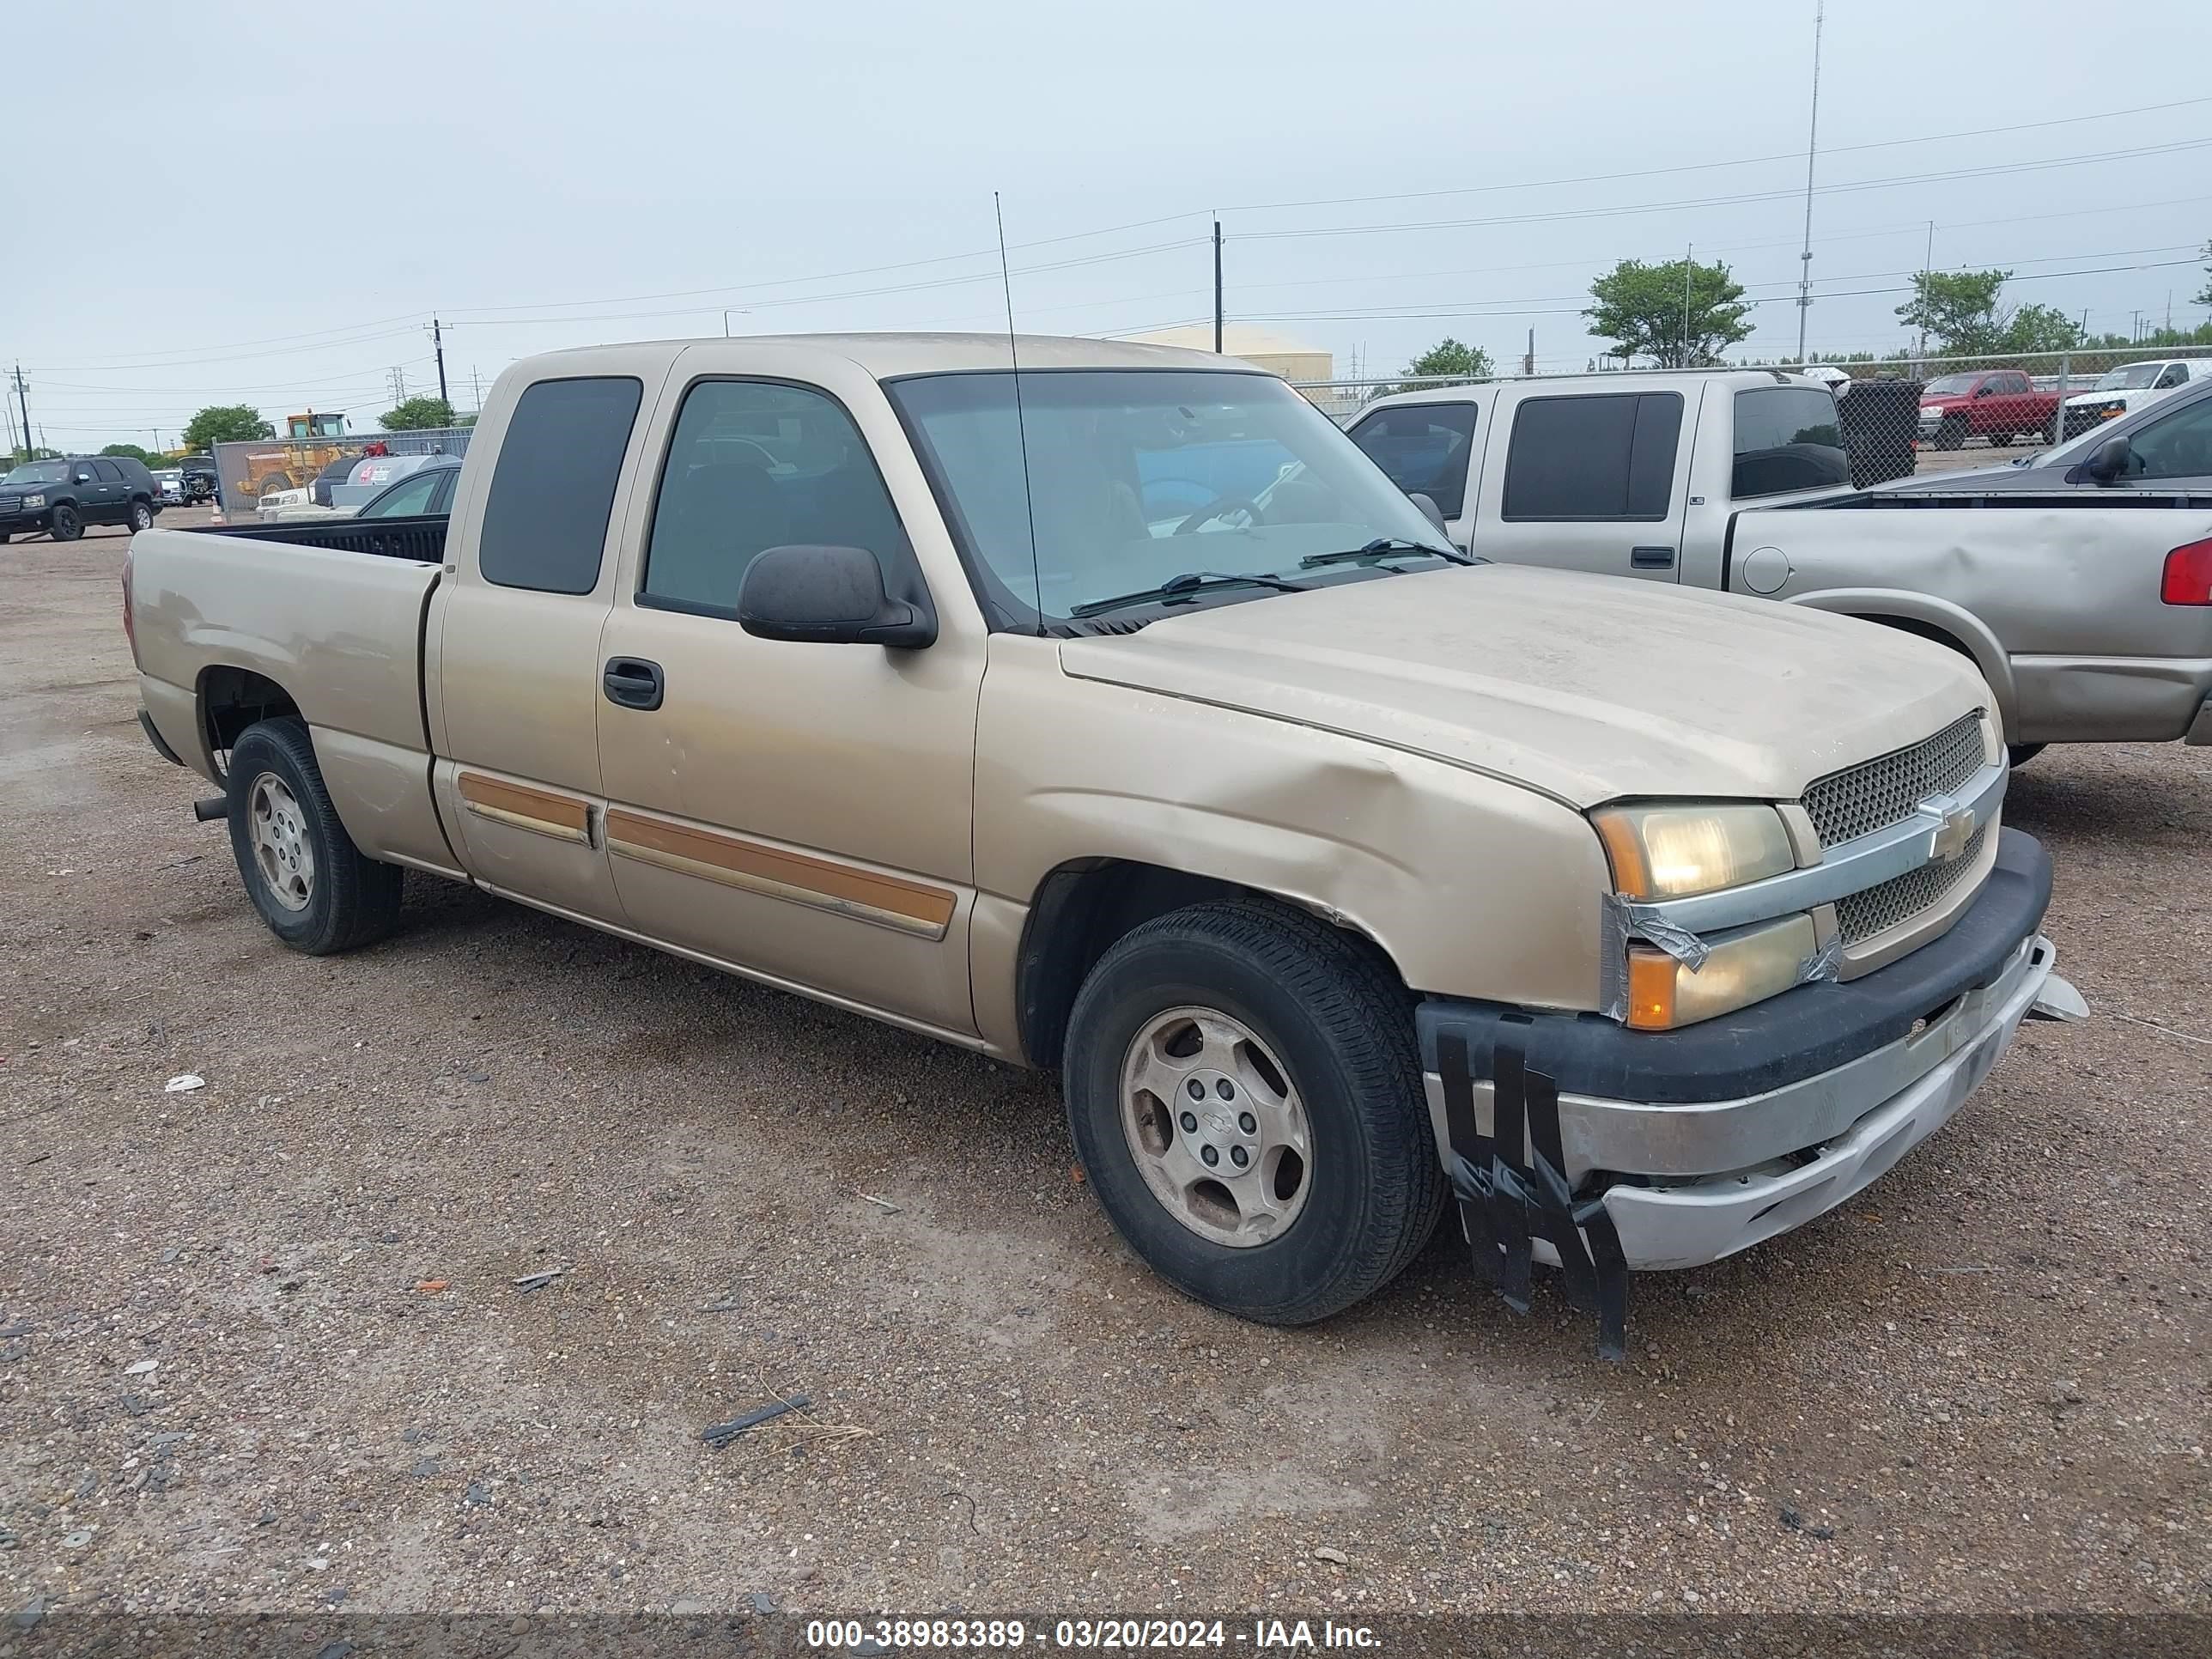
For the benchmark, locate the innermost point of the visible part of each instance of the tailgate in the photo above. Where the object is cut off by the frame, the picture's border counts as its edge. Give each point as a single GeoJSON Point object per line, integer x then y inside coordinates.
{"type": "Point", "coordinates": [342, 632]}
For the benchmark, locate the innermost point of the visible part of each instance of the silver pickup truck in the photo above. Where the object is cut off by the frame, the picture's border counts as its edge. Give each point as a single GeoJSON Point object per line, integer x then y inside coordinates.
{"type": "Point", "coordinates": [2088, 612]}
{"type": "Point", "coordinates": [1338, 879]}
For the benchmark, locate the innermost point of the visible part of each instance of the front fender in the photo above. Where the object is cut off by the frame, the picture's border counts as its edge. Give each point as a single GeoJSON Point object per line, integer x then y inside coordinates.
{"type": "Point", "coordinates": [1960, 627]}
{"type": "Point", "coordinates": [1473, 885]}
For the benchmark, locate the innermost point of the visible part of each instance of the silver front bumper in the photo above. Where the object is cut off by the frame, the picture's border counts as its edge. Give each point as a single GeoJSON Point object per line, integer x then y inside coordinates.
{"type": "Point", "coordinates": [1721, 1176]}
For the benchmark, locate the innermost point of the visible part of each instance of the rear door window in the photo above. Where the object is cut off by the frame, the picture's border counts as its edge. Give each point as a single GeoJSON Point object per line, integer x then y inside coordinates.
{"type": "Point", "coordinates": [1424, 448]}
{"type": "Point", "coordinates": [107, 471]}
{"type": "Point", "coordinates": [545, 519]}
{"type": "Point", "coordinates": [1606, 457]}
{"type": "Point", "coordinates": [1786, 438]}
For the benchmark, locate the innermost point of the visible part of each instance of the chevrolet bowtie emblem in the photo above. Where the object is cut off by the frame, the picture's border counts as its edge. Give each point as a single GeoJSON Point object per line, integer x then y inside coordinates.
{"type": "Point", "coordinates": [1958, 828]}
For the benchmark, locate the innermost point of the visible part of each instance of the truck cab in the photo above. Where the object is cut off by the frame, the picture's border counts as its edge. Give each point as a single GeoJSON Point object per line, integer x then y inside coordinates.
{"type": "Point", "coordinates": [1619, 474]}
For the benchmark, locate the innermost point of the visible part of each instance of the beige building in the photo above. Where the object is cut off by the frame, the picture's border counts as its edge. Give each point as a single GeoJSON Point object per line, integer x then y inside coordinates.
{"type": "Point", "coordinates": [1291, 359]}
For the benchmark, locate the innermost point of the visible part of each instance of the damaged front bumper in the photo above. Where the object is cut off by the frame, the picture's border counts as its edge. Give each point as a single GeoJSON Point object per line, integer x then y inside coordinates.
{"type": "Point", "coordinates": [1696, 1144]}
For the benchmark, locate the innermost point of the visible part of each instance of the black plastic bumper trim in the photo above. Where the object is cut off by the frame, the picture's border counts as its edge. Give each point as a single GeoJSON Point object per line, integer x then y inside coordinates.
{"type": "Point", "coordinates": [154, 737]}
{"type": "Point", "coordinates": [1783, 1040]}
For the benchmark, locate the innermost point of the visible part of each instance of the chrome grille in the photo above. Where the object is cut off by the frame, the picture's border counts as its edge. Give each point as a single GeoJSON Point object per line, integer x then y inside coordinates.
{"type": "Point", "coordinates": [1876, 793]}
{"type": "Point", "coordinates": [1862, 916]}
{"type": "Point", "coordinates": [11, 503]}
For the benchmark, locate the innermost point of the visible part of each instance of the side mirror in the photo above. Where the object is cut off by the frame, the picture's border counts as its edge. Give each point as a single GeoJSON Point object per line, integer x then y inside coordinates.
{"type": "Point", "coordinates": [1430, 510]}
{"type": "Point", "coordinates": [84, 478]}
{"type": "Point", "coordinates": [2108, 461]}
{"type": "Point", "coordinates": [827, 596]}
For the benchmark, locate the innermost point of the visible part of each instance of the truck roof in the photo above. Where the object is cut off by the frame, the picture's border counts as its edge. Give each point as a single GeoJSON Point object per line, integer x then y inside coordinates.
{"type": "Point", "coordinates": [1627, 379]}
{"type": "Point", "coordinates": [887, 356]}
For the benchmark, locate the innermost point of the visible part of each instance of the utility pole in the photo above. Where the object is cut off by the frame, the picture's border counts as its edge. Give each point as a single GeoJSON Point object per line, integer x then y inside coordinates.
{"type": "Point", "coordinates": [1216, 288]}
{"type": "Point", "coordinates": [1812, 149]}
{"type": "Point", "coordinates": [438, 345]}
{"type": "Point", "coordinates": [23, 400]}
{"type": "Point", "coordinates": [1528, 363]}
{"type": "Point", "coordinates": [1927, 271]}
{"type": "Point", "coordinates": [1689, 264]}
{"type": "Point", "coordinates": [476, 385]}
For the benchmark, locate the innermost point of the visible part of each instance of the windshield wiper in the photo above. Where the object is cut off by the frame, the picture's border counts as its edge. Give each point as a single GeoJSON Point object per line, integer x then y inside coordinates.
{"type": "Point", "coordinates": [1189, 582]}
{"type": "Point", "coordinates": [1385, 547]}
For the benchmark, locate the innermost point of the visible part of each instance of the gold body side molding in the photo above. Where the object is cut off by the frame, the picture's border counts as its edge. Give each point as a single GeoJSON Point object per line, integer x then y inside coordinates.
{"type": "Point", "coordinates": [845, 890]}
{"type": "Point", "coordinates": [561, 816]}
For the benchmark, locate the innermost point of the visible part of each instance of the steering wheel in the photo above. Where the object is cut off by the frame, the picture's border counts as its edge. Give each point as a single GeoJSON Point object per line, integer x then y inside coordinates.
{"type": "Point", "coordinates": [1219, 507]}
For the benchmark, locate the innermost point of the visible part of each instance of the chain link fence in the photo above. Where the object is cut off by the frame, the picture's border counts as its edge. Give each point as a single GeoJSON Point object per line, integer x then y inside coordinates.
{"type": "Point", "coordinates": [246, 472]}
{"type": "Point", "coordinates": [1904, 416]}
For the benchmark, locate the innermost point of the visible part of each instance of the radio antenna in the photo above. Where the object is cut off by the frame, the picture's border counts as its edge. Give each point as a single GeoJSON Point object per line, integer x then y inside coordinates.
{"type": "Point", "coordinates": [1021, 427]}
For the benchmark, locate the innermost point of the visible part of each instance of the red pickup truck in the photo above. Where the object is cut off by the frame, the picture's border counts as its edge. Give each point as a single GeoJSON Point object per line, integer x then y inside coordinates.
{"type": "Point", "coordinates": [1996, 404]}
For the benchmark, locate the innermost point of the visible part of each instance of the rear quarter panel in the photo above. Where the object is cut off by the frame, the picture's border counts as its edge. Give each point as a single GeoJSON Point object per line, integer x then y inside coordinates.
{"type": "Point", "coordinates": [2058, 600]}
{"type": "Point", "coordinates": [340, 632]}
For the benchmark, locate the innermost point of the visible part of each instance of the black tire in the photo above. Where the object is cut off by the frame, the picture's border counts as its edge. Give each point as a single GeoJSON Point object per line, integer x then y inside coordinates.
{"type": "Point", "coordinates": [65, 523]}
{"type": "Point", "coordinates": [352, 900]}
{"type": "Point", "coordinates": [142, 515]}
{"type": "Point", "coordinates": [2022, 753]}
{"type": "Point", "coordinates": [1950, 434]}
{"type": "Point", "coordinates": [1328, 1005]}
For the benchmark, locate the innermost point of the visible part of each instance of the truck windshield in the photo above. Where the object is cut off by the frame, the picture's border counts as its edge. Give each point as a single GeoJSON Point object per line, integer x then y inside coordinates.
{"type": "Point", "coordinates": [38, 472]}
{"type": "Point", "coordinates": [1951, 386]}
{"type": "Point", "coordinates": [1137, 477]}
{"type": "Point", "coordinates": [2128, 379]}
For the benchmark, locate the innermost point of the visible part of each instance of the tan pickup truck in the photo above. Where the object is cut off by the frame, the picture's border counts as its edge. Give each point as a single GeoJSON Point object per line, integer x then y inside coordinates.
{"type": "Point", "coordinates": [1117, 715]}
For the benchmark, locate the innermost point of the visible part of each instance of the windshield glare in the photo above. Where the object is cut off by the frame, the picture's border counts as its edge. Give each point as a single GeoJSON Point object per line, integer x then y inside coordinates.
{"type": "Point", "coordinates": [1951, 386]}
{"type": "Point", "coordinates": [2133, 376]}
{"type": "Point", "coordinates": [1136, 476]}
{"type": "Point", "coordinates": [38, 472]}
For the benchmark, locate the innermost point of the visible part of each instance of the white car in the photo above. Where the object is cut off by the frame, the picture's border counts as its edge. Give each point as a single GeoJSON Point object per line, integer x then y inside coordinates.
{"type": "Point", "coordinates": [2124, 390]}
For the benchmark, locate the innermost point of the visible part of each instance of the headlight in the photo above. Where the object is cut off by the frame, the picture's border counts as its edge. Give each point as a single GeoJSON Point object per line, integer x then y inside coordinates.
{"type": "Point", "coordinates": [1672, 852]}
{"type": "Point", "coordinates": [1743, 968]}
{"type": "Point", "coordinates": [34, 501]}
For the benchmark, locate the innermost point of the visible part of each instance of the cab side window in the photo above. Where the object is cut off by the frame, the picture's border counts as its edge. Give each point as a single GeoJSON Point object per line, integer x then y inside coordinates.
{"type": "Point", "coordinates": [755, 464]}
{"type": "Point", "coordinates": [2178, 446]}
{"type": "Point", "coordinates": [107, 471]}
{"type": "Point", "coordinates": [545, 519]}
{"type": "Point", "coordinates": [1424, 449]}
{"type": "Point", "coordinates": [1606, 457]}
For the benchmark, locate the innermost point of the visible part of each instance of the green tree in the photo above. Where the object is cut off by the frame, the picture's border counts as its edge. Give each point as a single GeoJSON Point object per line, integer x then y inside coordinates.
{"type": "Point", "coordinates": [1449, 356]}
{"type": "Point", "coordinates": [225, 423]}
{"type": "Point", "coordinates": [2040, 328]}
{"type": "Point", "coordinates": [146, 456]}
{"type": "Point", "coordinates": [1962, 312]}
{"type": "Point", "coordinates": [1642, 309]}
{"type": "Point", "coordinates": [418, 414]}
{"type": "Point", "coordinates": [1447, 359]}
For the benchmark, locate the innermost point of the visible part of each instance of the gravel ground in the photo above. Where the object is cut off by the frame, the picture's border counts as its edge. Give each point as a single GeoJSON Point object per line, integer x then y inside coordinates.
{"type": "Point", "coordinates": [261, 1345]}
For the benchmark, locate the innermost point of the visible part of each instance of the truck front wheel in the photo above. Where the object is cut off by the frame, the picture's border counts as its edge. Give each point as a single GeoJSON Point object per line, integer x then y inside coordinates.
{"type": "Point", "coordinates": [1244, 1094]}
{"type": "Point", "coordinates": [316, 890]}
{"type": "Point", "coordinates": [1950, 433]}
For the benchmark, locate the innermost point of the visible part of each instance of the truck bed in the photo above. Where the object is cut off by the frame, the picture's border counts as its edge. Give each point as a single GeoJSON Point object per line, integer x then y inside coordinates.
{"type": "Point", "coordinates": [421, 539]}
{"type": "Point", "coordinates": [340, 635]}
{"type": "Point", "coordinates": [2057, 596]}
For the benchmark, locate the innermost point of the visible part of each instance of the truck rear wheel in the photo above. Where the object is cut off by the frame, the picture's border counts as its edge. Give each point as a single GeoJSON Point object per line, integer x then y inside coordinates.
{"type": "Point", "coordinates": [317, 891]}
{"type": "Point", "coordinates": [142, 515]}
{"type": "Point", "coordinates": [1244, 1094]}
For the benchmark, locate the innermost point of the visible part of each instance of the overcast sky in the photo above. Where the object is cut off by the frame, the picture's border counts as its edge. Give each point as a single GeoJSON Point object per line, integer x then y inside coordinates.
{"type": "Point", "coordinates": [259, 203]}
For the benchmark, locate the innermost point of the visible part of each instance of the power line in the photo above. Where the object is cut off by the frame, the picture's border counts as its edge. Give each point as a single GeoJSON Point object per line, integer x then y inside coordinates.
{"type": "Point", "coordinates": [1621, 210]}
{"type": "Point", "coordinates": [1705, 167]}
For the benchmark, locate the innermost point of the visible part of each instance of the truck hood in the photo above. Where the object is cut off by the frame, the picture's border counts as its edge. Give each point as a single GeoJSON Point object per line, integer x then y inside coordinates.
{"type": "Point", "coordinates": [1589, 689]}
